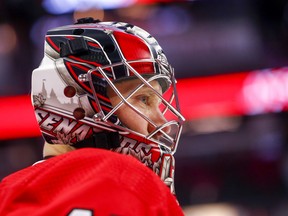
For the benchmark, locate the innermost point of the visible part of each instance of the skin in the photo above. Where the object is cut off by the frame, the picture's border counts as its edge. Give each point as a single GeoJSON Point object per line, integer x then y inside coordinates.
{"type": "Point", "coordinates": [145, 100]}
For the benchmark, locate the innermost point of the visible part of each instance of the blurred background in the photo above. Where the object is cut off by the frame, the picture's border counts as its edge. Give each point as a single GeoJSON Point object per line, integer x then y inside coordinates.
{"type": "Point", "coordinates": [230, 59]}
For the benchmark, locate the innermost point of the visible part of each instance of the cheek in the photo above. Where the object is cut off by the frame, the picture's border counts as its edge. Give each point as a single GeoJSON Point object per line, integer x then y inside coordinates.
{"type": "Point", "coordinates": [132, 120]}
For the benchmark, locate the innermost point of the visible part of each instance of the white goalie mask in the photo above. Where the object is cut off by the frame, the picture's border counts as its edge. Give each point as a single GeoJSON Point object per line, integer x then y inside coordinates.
{"type": "Point", "coordinates": [72, 106]}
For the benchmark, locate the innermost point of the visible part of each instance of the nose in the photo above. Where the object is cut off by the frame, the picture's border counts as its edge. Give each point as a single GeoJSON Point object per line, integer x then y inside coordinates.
{"type": "Point", "coordinates": [158, 119]}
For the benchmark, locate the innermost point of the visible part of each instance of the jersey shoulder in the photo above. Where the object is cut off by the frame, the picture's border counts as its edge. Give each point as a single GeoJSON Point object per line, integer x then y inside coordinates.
{"type": "Point", "coordinates": [92, 180]}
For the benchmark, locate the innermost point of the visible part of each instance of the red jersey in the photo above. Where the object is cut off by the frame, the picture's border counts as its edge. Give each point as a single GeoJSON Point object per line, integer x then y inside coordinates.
{"type": "Point", "coordinates": [87, 182]}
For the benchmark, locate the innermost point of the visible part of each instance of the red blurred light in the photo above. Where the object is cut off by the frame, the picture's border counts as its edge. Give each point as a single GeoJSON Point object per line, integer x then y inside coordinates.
{"type": "Point", "coordinates": [233, 94]}
{"type": "Point", "coordinates": [17, 118]}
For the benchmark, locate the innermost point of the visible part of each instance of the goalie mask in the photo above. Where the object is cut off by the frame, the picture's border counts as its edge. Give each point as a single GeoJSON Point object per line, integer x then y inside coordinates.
{"type": "Point", "coordinates": [87, 64]}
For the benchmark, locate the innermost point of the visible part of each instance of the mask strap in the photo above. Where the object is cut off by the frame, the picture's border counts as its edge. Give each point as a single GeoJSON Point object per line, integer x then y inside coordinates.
{"type": "Point", "coordinates": [104, 140]}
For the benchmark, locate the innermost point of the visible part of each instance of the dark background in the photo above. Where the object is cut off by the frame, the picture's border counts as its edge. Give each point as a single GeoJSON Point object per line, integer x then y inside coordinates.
{"type": "Point", "coordinates": [245, 165]}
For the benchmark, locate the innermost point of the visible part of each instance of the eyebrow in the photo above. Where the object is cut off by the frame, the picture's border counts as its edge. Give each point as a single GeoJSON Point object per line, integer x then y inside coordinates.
{"type": "Point", "coordinates": [145, 87]}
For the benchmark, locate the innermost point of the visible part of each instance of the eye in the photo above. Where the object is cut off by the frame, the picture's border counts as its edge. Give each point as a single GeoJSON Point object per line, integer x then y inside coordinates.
{"type": "Point", "coordinates": [143, 99]}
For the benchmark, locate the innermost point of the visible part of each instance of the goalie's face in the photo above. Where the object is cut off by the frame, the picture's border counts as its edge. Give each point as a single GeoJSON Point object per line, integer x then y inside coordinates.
{"type": "Point", "coordinates": [145, 101]}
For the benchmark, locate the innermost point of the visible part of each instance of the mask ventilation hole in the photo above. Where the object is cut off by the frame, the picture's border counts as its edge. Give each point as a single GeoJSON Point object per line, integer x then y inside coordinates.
{"type": "Point", "coordinates": [69, 91]}
{"type": "Point", "coordinates": [79, 113]}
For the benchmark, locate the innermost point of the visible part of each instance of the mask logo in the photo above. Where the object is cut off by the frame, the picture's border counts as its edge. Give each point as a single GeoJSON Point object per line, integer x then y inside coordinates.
{"type": "Point", "coordinates": [65, 130]}
{"type": "Point", "coordinates": [152, 156]}
{"type": "Point", "coordinates": [149, 155]}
